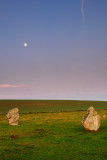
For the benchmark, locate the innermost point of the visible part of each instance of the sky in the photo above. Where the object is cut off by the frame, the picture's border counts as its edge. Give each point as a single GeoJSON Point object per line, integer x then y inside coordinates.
{"type": "Point", "coordinates": [66, 52]}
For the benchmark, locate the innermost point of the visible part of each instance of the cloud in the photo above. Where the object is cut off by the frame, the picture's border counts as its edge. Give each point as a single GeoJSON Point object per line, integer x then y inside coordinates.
{"type": "Point", "coordinates": [11, 86]}
{"type": "Point", "coordinates": [82, 11]}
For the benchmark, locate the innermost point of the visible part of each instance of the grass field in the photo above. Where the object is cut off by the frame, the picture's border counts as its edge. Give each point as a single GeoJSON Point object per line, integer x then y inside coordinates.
{"type": "Point", "coordinates": [52, 136]}
{"type": "Point", "coordinates": [37, 106]}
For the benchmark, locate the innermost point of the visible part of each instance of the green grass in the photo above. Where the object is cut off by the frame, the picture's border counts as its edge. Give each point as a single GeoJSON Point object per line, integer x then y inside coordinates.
{"type": "Point", "coordinates": [52, 136]}
{"type": "Point", "coordinates": [37, 106]}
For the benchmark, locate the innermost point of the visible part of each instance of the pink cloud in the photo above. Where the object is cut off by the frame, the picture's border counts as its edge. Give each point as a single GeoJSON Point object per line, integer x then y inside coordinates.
{"type": "Point", "coordinates": [11, 86]}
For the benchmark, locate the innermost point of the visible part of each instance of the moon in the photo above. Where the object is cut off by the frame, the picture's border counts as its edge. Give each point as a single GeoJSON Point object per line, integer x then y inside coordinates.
{"type": "Point", "coordinates": [25, 44]}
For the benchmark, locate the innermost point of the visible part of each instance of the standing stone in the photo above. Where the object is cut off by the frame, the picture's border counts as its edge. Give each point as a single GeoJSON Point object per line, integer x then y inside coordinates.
{"type": "Point", "coordinates": [13, 116]}
{"type": "Point", "coordinates": [91, 120]}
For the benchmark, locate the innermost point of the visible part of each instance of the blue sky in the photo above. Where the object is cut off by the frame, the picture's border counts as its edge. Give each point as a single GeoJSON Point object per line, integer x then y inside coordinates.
{"type": "Point", "coordinates": [66, 58]}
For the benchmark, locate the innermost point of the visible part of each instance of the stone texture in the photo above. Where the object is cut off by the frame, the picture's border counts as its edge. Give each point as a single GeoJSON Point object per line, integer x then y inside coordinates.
{"type": "Point", "coordinates": [13, 116]}
{"type": "Point", "coordinates": [91, 120]}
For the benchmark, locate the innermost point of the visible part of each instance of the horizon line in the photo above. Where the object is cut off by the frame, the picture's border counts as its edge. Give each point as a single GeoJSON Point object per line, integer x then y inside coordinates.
{"type": "Point", "coordinates": [56, 99]}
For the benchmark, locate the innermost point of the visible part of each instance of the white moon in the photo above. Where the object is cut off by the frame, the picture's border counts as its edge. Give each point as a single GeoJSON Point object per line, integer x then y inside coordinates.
{"type": "Point", "coordinates": [25, 44]}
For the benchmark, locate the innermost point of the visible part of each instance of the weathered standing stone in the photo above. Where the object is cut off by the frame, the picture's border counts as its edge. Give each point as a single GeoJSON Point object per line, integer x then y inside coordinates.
{"type": "Point", "coordinates": [13, 116]}
{"type": "Point", "coordinates": [91, 120]}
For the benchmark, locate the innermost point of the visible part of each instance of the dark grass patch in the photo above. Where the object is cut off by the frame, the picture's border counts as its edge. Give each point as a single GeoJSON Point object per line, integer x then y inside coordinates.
{"type": "Point", "coordinates": [88, 131]}
{"type": "Point", "coordinates": [70, 136]}
{"type": "Point", "coordinates": [42, 132]}
{"type": "Point", "coordinates": [14, 137]}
